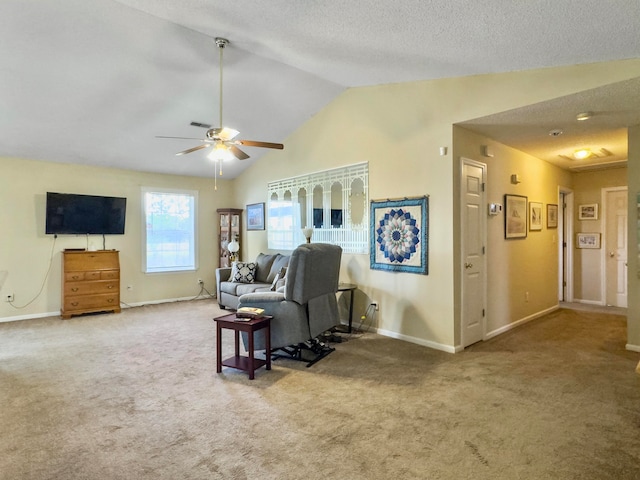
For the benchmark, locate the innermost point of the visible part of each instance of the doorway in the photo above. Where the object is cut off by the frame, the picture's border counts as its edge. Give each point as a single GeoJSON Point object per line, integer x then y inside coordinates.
{"type": "Point", "coordinates": [565, 245]}
{"type": "Point", "coordinates": [473, 234]}
{"type": "Point", "coordinates": [614, 246]}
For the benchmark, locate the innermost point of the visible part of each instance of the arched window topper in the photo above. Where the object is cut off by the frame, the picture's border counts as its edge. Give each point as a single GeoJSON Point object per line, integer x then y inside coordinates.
{"type": "Point", "coordinates": [332, 202]}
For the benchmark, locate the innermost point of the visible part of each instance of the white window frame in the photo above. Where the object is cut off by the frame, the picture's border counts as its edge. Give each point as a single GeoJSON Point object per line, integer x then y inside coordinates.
{"type": "Point", "coordinates": [175, 268]}
{"type": "Point", "coordinates": [285, 232]}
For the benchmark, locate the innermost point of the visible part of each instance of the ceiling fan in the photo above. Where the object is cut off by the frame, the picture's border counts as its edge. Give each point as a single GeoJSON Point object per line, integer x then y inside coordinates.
{"type": "Point", "coordinates": [223, 139]}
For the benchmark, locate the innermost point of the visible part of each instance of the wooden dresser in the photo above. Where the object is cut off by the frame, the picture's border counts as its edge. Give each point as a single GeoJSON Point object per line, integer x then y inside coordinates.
{"type": "Point", "coordinates": [90, 282]}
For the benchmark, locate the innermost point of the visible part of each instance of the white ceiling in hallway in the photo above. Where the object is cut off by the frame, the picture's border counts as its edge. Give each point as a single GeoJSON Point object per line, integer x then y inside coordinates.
{"type": "Point", "coordinates": [94, 81]}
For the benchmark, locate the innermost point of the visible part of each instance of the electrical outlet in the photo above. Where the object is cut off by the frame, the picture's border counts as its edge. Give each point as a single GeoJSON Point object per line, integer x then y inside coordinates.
{"type": "Point", "coordinates": [8, 297]}
{"type": "Point", "coordinates": [129, 287]}
{"type": "Point", "coordinates": [376, 306]}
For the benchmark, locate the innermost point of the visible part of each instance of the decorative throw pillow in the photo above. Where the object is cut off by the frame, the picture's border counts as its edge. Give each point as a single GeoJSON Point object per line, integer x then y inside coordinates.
{"type": "Point", "coordinates": [243, 272]}
{"type": "Point", "coordinates": [278, 279]}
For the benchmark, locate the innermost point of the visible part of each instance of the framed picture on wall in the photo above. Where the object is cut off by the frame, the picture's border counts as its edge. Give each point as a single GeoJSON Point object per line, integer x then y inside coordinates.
{"type": "Point", "coordinates": [588, 240]}
{"type": "Point", "coordinates": [588, 212]}
{"type": "Point", "coordinates": [552, 215]}
{"type": "Point", "coordinates": [515, 216]}
{"type": "Point", "coordinates": [535, 216]}
{"type": "Point", "coordinates": [399, 237]}
{"type": "Point", "coordinates": [255, 216]}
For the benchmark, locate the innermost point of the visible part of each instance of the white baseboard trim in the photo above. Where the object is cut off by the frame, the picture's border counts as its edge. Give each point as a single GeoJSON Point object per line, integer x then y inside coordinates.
{"type": "Point", "coordinates": [633, 348]}
{"type": "Point", "coordinates": [418, 341]}
{"type": "Point", "coordinates": [122, 305]}
{"type": "Point", "coordinates": [522, 321]}
{"type": "Point", "coordinates": [590, 302]}
{"type": "Point", "coordinates": [30, 316]}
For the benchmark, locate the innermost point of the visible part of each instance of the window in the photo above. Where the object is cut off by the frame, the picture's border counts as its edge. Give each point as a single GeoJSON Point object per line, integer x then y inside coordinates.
{"type": "Point", "coordinates": [333, 202]}
{"type": "Point", "coordinates": [169, 230]}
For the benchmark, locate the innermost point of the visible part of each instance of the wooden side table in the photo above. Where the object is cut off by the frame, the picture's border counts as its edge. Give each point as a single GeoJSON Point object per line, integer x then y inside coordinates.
{"type": "Point", "coordinates": [248, 363]}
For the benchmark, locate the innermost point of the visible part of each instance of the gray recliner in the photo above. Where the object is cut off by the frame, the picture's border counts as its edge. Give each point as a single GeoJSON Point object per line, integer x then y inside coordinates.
{"type": "Point", "coordinates": [306, 306]}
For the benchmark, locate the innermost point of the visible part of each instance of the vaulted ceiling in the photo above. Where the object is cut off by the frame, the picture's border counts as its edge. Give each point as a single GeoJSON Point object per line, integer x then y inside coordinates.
{"type": "Point", "coordinates": [95, 81]}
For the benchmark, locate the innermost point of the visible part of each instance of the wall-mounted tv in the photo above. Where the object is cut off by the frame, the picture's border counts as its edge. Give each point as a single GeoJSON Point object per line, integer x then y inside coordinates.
{"type": "Point", "coordinates": [72, 214]}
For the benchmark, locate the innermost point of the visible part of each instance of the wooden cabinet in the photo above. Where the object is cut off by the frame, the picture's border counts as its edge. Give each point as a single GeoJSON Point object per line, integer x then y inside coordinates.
{"type": "Point", "coordinates": [230, 222]}
{"type": "Point", "coordinates": [90, 282]}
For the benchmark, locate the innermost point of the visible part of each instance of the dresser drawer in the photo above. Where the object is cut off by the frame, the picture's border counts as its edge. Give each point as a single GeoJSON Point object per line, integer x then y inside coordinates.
{"type": "Point", "coordinates": [82, 261]}
{"type": "Point", "coordinates": [74, 276]}
{"type": "Point", "coordinates": [110, 275]}
{"type": "Point", "coordinates": [109, 301]}
{"type": "Point", "coordinates": [88, 288]}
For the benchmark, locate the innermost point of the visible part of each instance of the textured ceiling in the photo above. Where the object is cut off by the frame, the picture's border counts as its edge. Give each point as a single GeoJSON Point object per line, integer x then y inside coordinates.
{"type": "Point", "coordinates": [94, 81]}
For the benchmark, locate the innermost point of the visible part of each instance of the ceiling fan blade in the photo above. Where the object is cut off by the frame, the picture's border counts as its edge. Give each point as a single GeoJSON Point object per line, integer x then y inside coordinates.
{"type": "Point", "coordinates": [253, 143]}
{"type": "Point", "coordinates": [239, 154]}
{"type": "Point", "coordinates": [180, 138]}
{"type": "Point", "coordinates": [201, 125]}
{"type": "Point", "coordinates": [194, 149]}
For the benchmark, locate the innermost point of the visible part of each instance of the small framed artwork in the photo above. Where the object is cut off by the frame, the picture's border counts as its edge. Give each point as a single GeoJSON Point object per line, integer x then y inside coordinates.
{"type": "Point", "coordinates": [588, 212]}
{"type": "Point", "coordinates": [588, 240]}
{"type": "Point", "coordinates": [255, 216]}
{"type": "Point", "coordinates": [535, 216]}
{"type": "Point", "coordinates": [515, 216]}
{"type": "Point", "coordinates": [552, 215]}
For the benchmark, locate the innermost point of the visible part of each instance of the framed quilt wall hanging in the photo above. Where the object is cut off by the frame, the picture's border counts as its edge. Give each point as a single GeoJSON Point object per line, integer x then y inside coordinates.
{"type": "Point", "coordinates": [399, 236]}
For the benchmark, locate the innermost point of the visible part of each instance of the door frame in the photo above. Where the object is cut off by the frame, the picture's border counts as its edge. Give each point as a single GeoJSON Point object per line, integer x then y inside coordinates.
{"type": "Point", "coordinates": [483, 227]}
{"type": "Point", "coordinates": [565, 236]}
{"type": "Point", "coordinates": [603, 247]}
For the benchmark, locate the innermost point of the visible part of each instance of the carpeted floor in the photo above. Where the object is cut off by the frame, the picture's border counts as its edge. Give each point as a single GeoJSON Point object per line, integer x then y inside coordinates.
{"type": "Point", "coordinates": [136, 396]}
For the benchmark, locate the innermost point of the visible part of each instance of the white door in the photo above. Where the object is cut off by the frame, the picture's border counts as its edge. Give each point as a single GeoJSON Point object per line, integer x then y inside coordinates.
{"type": "Point", "coordinates": [473, 242]}
{"type": "Point", "coordinates": [615, 247]}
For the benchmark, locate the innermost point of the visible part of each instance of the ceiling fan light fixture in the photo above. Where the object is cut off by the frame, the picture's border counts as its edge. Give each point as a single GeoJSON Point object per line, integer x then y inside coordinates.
{"type": "Point", "coordinates": [220, 152]}
{"type": "Point", "coordinates": [581, 117]}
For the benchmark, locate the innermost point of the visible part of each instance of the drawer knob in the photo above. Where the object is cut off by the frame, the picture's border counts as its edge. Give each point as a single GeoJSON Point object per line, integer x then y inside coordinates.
{"type": "Point", "coordinates": [110, 286]}
{"type": "Point", "coordinates": [75, 277]}
{"type": "Point", "coordinates": [110, 300]}
{"type": "Point", "coordinates": [75, 304]}
{"type": "Point", "coordinates": [74, 289]}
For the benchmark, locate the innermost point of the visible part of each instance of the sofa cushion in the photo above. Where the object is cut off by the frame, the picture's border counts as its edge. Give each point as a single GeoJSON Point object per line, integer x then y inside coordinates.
{"type": "Point", "coordinates": [230, 287]}
{"type": "Point", "coordinates": [243, 272]}
{"type": "Point", "coordinates": [278, 279]}
{"type": "Point", "coordinates": [243, 288]}
{"type": "Point", "coordinates": [264, 263]}
{"type": "Point", "coordinates": [276, 266]}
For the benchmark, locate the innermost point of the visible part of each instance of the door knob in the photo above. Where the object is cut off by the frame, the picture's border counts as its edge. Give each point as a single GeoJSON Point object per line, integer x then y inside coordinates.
{"type": "Point", "coordinates": [611, 254]}
{"type": "Point", "coordinates": [468, 265]}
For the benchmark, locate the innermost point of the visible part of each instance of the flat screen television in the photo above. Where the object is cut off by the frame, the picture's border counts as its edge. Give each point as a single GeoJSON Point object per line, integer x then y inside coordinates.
{"type": "Point", "coordinates": [72, 214]}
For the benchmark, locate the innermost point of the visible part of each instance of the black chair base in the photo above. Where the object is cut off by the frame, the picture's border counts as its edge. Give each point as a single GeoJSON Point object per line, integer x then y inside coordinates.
{"type": "Point", "coordinates": [311, 352]}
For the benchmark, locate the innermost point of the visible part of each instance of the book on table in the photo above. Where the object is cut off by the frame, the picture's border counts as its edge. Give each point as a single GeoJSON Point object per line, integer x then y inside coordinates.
{"type": "Point", "coordinates": [249, 312]}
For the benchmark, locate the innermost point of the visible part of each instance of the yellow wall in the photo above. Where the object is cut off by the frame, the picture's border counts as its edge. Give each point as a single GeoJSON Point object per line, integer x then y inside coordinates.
{"type": "Point", "coordinates": [398, 129]}
{"type": "Point", "coordinates": [522, 274]}
{"type": "Point", "coordinates": [25, 249]}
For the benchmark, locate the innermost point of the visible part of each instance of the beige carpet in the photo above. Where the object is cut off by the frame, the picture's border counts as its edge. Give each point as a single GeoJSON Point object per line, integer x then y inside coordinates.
{"type": "Point", "coordinates": [136, 396]}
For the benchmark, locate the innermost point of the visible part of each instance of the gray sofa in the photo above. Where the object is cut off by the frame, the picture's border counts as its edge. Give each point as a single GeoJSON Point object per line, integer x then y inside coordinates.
{"type": "Point", "coordinates": [267, 268]}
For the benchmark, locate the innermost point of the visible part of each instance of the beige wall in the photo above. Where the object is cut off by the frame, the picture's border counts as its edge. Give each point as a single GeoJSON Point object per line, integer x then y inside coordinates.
{"type": "Point", "coordinates": [522, 274]}
{"type": "Point", "coordinates": [587, 263]}
{"type": "Point", "coordinates": [633, 311]}
{"type": "Point", "coordinates": [25, 249]}
{"type": "Point", "coordinates": [398, 129]}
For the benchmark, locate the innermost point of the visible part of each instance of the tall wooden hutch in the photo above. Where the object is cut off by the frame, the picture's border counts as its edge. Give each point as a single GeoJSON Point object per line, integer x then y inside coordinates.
{"type": "Point", "coordinates": [230, 223]}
